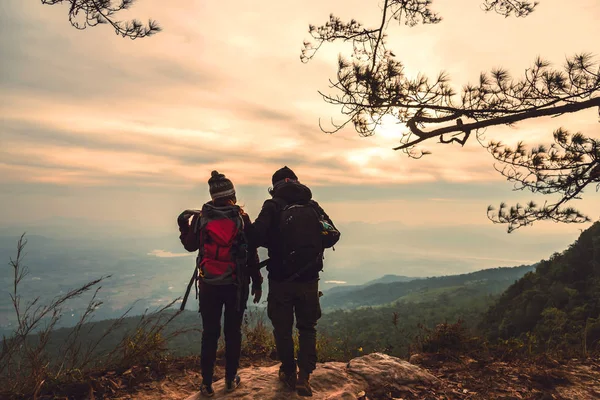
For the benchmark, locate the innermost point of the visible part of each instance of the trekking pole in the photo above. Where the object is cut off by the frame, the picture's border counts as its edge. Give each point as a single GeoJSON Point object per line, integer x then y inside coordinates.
{"type": "Point", "coordinates": [189, 288]}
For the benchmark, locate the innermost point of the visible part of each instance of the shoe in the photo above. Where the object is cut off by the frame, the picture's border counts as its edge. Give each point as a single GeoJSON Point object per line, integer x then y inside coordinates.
{"type": "Point", "coordinates": [206, 390]}
{"type": "Point", "coordinates": [288, 379]}
{"type": "Point", "coordinates": [303, 385]}
{"type": "Point", "coordinates": [231, 385]}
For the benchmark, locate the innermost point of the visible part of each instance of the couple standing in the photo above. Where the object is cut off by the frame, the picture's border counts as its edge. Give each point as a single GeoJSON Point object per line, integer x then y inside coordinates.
{"type": "Point", "coordinates": [295, 230]}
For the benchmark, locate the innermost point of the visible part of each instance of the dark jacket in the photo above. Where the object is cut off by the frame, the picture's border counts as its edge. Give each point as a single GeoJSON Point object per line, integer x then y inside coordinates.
{"type": "Point", "coordinates": [191, 242]}
{"type": "Point", "coordinates": [265, 229]}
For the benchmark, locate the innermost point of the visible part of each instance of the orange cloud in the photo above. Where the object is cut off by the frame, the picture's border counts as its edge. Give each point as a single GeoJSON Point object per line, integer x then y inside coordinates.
{"type": "Point", "coordinates": [92, 109]}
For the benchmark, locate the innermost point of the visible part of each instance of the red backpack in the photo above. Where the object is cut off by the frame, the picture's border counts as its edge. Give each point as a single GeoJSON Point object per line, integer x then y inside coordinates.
{"type": "Point", "coordinates": [223, 244]}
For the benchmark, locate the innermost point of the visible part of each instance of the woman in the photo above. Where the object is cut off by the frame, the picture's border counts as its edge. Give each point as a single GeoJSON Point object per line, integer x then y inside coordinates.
{"type": "Point", "coordinates": [225, 265]}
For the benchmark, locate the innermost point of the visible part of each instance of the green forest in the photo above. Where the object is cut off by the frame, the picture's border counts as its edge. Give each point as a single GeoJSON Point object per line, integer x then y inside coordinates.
{"type": "Point", "coordinates": [550, 308]}
{"type": "Point", "coordinates": [557, 307]}
{"type": "Point", "coordinates": [489, 281]}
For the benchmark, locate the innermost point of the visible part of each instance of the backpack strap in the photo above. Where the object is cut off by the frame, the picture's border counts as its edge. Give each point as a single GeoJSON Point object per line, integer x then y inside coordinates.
{"type": "Point", "coordinates": [280, 203]}
{"type": "Point", "coordinates": [304, 269]}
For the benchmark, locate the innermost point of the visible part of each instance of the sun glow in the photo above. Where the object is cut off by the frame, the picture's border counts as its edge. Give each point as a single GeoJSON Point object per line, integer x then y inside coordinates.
{"type": "Point", "coordinates": [390, 129]}
{"type": "Point", "coordinates": [362, 157]}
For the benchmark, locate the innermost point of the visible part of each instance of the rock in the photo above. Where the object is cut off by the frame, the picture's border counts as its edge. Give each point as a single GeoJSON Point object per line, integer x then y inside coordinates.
{"type": "Point", "coordinates": [424, 360]}
{"type": "Point", "coordinates": [416, 359]}
{"type": "Point", "coordinates": [377, 367]}
{"type": "Point", "coordinates": [369, 374]}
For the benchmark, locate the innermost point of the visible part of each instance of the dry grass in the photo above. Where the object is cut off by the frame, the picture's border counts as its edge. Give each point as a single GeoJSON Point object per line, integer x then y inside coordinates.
{"type": "Point", "coordinates": [26, 368]}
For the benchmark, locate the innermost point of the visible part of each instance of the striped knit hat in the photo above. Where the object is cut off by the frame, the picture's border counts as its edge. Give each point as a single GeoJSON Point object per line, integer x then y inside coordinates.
{"type": "Point", "coordinates": [219, 186]}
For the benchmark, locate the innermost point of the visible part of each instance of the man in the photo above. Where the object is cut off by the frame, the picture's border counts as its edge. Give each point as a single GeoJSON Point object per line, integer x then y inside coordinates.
{"type": "Point", "coordinates": [295, 260]}
{"type": "Point", "coordinates": [225, 265]}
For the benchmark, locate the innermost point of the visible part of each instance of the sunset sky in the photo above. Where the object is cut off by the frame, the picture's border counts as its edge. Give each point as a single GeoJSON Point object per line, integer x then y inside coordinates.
{"type": "Point", "coordinates": [99, 127]}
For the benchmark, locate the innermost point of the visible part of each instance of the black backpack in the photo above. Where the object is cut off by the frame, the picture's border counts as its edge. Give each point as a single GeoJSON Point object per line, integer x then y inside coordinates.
{"type": "Point", "coordinates": [301, 230]}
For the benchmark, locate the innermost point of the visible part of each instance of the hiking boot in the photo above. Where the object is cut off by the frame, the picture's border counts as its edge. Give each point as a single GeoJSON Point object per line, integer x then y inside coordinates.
{"type": "Point", "coordinates": [206, 390]}
{"type": "Point", "coordinates": [232, 384]}
{"type": "Point", "coordinates": [288, 379]}
{"type": "Point", "coordinates": [303, 385]}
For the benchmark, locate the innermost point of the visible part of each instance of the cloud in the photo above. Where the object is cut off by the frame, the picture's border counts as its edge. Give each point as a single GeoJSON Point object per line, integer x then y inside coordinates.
{"type": "Point", "coordinates": [187, 98]}
{"type": "Point", "coordinates": [168, 254]}
{"type": "Point", "coordinates": [118, 150]}
{"type": "Point", "coordinates": [149, 119]}
{"type": "Point", "coordinates": [337, 282]}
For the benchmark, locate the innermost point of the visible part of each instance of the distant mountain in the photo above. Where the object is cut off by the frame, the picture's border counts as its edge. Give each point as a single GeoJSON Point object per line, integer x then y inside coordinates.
{"type": "Point", "coordinates": [391, 279]}
{"type": "Point", "coordinates": [558, 305]}
{"type": "Point", "coordinates": [384, 279]}
{"type": "Point", "coordinates": [488, 281]}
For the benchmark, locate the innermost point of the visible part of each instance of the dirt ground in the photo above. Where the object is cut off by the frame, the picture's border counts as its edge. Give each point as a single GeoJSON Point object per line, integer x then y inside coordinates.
{"type": "Point", "coordinates": [461, 378]}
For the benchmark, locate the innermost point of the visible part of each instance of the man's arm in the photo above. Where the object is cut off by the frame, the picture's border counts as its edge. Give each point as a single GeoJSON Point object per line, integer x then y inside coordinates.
{"type": "Point", "coordinates": [253, 259]}
{"type": "Point", "coordinates": [259, 230]}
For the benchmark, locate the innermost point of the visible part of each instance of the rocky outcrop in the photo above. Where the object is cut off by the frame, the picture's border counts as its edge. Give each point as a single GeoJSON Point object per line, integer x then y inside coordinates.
{"type": "Point", "coordinates": [372, 376]}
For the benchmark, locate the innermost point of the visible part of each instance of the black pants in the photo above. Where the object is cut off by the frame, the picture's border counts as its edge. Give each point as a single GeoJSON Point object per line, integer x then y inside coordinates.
{"type": "Point", "coordinates": [212, 300]}
{"type": "Point", "coordinates": [301, 299]}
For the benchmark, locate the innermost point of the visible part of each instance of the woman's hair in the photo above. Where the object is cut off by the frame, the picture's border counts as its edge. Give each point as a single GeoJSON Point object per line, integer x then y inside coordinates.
{"type": "Point", "coordinates": [223, 201]}
{"type": "Point", "coordinates": [228, 201]}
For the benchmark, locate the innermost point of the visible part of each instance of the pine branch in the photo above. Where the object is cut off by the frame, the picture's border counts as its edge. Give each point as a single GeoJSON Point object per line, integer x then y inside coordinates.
{"type": "Point", "coordinates": [372, 84]}
{"type": "Point", "coordinates": [90, 13]}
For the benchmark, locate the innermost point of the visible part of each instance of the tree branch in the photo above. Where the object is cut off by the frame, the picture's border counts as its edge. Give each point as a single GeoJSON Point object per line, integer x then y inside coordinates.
{"type": "Point", "coordinates": [506, 120]}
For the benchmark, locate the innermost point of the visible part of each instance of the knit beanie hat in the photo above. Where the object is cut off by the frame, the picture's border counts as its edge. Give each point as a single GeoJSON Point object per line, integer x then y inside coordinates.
{"type": "Point", "coordinates": [219, 186]}
{"type": "Point", "coordinates": [282, 174]}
